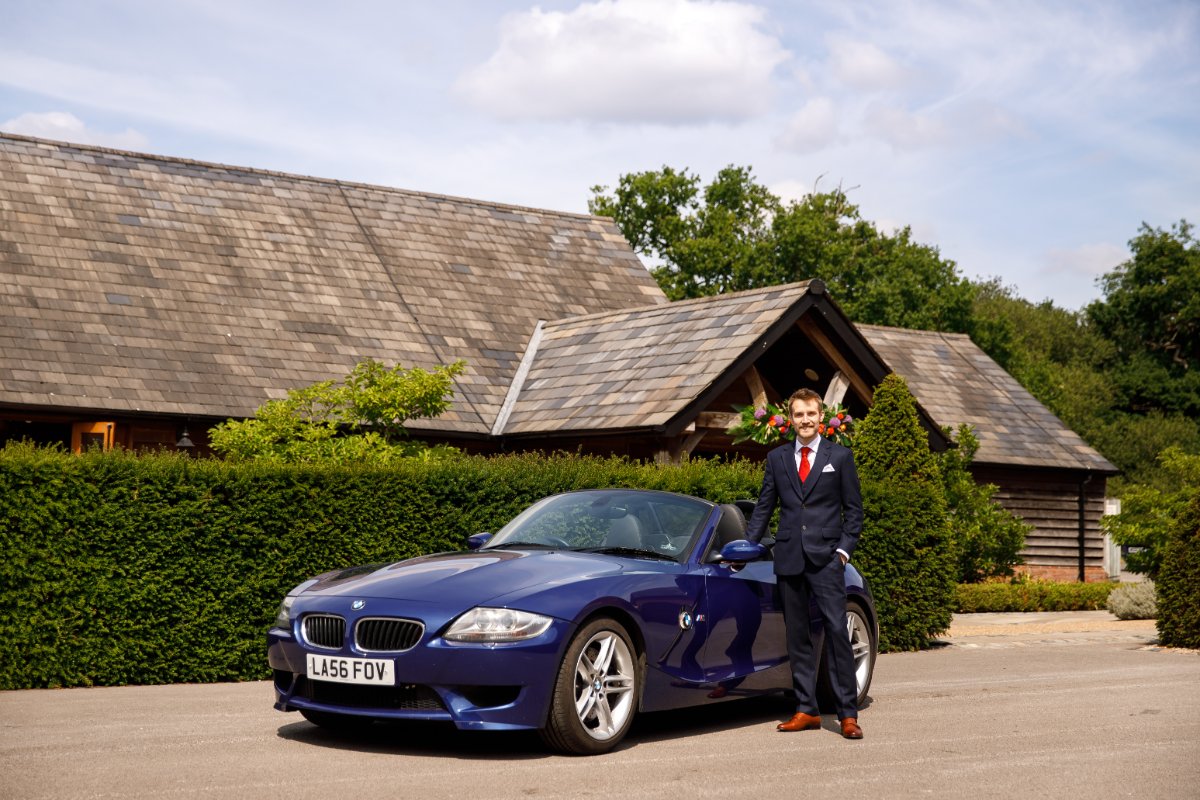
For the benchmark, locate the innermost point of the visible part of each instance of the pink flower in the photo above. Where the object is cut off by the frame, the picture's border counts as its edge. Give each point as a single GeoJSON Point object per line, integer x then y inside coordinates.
{"type": "Point", "coordinates": [759, 413]}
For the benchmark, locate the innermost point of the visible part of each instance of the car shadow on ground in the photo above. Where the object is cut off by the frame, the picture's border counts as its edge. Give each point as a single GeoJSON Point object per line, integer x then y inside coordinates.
{"type": "Point", "coordinates": [443, 740]}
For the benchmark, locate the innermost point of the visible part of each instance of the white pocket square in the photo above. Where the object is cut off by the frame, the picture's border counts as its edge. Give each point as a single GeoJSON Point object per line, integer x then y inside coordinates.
{"type": "Point", "coordinates": [829, 468]}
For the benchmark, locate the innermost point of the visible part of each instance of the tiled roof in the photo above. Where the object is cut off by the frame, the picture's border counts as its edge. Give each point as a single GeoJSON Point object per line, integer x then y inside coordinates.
{"type": "Point", "coordinates": [134, 282]}
{"type": "Point", "coordinates": [957, 383]}
{"type": "Point", "coordinates": [639, 368]}
{"type": "Point", "coordinates": [141, 283]}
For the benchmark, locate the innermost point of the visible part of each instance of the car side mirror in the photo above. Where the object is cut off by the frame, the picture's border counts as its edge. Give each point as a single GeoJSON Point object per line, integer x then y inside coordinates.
{"type": "Point", "coordinates": [740, 551]}
{"type": "Point", "coordinates": [478, 540]}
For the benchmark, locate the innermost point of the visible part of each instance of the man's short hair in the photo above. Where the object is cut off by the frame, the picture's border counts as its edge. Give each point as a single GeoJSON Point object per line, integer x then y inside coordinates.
{"type": "Point", "coordinates": [806, 394]}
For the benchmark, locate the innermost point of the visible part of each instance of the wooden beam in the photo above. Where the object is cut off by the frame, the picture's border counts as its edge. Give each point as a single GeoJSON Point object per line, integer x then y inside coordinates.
{"type": "Point", "coordinates": [688, 445]}
{"type": "Point", "coordinates": [828, 349]}
{"type": "Point", "coordinates": [678, 448]}
{"type": "Point", "coordinates": [757, 391]}
{"type": "Point", "coordinates": [836, 391]}
{"type": "Point", "coordinates": [717, 420]}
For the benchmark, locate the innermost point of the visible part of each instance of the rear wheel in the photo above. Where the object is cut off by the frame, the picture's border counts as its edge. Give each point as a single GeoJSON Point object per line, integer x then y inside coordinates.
{"type": "Point", "coordinates": [596, 691]}
{"type": "Point", "coordinates": [863, 647]}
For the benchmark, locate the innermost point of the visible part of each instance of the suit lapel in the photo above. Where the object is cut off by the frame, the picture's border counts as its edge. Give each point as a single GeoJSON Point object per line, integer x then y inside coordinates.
{"type": "Point", "coordinates": [788, 464]}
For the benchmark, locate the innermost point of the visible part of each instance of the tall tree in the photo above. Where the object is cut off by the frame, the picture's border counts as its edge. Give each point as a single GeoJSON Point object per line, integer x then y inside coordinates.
{"type": "Point", "coordinates": [1151, 314]}
{"type": "Point", "coordinates": [737, 235]}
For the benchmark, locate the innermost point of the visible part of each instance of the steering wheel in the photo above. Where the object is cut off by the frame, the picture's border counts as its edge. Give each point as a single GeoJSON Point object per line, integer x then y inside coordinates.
{"type": "Point", "coordinates": [557, 542]}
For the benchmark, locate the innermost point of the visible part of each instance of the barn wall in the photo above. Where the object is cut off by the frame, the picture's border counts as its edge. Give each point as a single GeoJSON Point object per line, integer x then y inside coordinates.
{"type": "Point", "coordinates": [1049, 500]}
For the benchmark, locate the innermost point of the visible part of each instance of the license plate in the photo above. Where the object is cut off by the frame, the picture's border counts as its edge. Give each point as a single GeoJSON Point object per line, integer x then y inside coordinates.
{"type": "Point", "coordinates": [369, 671]}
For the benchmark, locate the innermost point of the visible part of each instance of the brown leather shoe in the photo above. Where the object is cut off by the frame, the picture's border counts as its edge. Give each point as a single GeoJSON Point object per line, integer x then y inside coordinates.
{"type": "Point", "coordinates": [800, 722]}
{"type": "Point", "coordinates": [850, 728]}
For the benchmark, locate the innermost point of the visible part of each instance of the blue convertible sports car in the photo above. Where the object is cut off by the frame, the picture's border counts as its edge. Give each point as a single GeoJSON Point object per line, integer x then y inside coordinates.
{"type": "Point", "coordinates": [586, 608]}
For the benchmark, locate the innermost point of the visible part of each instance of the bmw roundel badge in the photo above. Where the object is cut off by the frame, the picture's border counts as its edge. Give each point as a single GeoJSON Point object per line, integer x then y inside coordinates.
{"type": "Point", "coordinates": [358, 604]}
{"type": "Point", "coordinates": [685, 619]}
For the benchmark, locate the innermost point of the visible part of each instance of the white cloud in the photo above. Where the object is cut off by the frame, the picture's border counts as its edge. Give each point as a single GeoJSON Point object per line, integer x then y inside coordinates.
{"type": "Point", "coordinates": [69, 128]}
{"type": "Point", "coordinates": [790, 191]}
{"type": "Point", "coordinates": [1088, 261]}
{"type": "Point", "coordinates": [904, 129]}
{"type": "Point", "coordinates": [864, 65]}
{"type": "Point", "coordinates": [659, 61]}
{"type": "Point", "coordinates": [812, 128]}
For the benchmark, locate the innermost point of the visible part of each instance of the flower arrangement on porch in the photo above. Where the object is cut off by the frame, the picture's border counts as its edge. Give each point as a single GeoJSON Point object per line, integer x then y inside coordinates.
{"type": "Point", "coordinates": [767, 424]}
{"type": "Point", "coordinates": [837, 425]}
{"type": "Point", "coordinates": [770, 424]}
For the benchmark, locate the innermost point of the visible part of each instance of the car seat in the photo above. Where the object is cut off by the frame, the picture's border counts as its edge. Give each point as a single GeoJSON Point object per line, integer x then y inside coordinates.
{"type": "Point", "coordinates": [731, 527]}
{"type": "Point", "coordinates": [625, 532]}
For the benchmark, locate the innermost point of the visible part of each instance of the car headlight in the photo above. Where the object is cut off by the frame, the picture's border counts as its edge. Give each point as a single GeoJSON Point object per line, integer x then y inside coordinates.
{"type": "Point", "coordinates": [483, 624]}
{"type": "Point", "coordinates": [283, 618]}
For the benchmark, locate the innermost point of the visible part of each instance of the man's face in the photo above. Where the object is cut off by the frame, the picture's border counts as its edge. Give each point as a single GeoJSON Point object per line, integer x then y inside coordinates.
{"type": "Point", "coordinates": [806, 415]}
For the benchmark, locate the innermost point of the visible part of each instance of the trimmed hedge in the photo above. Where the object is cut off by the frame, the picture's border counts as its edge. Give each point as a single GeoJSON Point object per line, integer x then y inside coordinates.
{"type": "Point", "coordinates": [1179, 580]}
{"type": "Point", "coordinates": [122, 569]}
{"type": "Point", "coordinates": [1032, 595]}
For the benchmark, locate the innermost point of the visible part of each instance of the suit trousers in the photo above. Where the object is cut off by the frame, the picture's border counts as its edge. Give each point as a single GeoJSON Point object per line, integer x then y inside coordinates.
{"type": "Point", "coordinates": [827, 586]}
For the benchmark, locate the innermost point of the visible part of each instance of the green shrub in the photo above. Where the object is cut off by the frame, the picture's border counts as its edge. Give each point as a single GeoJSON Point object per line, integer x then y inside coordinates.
{"type": "Point", "coordinates": [988, 538]}
{"type": "Point", "coordinates": [1179, 580]}
{"type": "Point", "coordinates": [1031, 595]}
{"type": "Point", "coordinates": [906, 549]}
{"type": "Point", "coordinates": [1133, 601]}
{"type": "Point", "coordinates": [1148, 510]}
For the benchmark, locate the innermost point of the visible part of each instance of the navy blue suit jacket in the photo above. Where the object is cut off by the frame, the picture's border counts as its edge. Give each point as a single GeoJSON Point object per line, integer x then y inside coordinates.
{"type": "Point", "coordinates": [815, 519]}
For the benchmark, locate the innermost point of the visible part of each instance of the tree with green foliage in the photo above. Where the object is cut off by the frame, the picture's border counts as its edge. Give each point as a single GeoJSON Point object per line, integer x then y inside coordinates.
{"type": "Point", "coordinates": [1151, 315]}
{"type": "Point", "coordinates": [737, 235]}
{"type": "Point", "coordinates": [1148, 510]}
{"type": "Point", "coordinates": [707, 244]}
{"type": "Point", "coordinates": [1064, 361]}
{"type": "Point", "coordinates": [988, 538]}
{"type": "Point", "coordinates": [360, 419]}
{"type": "Point", "coordinates": [906, 549]}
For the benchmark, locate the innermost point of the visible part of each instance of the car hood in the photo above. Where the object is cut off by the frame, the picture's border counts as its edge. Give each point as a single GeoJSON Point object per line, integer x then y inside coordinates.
{"type": "Point", "coordinates": [469, 578]}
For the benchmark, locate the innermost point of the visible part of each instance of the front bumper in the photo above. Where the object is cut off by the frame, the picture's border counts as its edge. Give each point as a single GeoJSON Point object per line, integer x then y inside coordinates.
{"type": "Point", "coordinates": [477, 687]}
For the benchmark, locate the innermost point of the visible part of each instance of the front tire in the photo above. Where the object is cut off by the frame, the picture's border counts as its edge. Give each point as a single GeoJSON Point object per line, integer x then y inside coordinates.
{"type": "Point", "coordinates": [596, 691]}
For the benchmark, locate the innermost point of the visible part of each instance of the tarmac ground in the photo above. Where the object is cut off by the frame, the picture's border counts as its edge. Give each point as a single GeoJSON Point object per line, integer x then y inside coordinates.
{"type": "Point", "coordinates": [1005, 705]}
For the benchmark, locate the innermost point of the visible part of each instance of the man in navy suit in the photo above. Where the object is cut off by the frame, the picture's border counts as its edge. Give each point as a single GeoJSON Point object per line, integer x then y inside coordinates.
{"type": "Point", "coordinates": [816, 486]}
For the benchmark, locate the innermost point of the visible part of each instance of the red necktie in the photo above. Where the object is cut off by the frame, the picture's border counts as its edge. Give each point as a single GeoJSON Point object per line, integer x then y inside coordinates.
{"type": "Point", "coordinates": [804, 451]}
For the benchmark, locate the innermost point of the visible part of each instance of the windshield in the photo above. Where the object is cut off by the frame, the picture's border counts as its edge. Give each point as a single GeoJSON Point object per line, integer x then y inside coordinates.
{"type": "Point", "coordinates": [618, 521]}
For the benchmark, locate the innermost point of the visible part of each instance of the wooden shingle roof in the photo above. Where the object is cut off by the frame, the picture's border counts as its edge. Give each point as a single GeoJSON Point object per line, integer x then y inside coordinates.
{"type": "Point", "coordinates": [641, 367]}
{"type": "Point", "coordinates": [957, 383]}
{"type": "Point", "coordinates": [135, 282]}
{"type": "Point", "coordinates": [138, 283]}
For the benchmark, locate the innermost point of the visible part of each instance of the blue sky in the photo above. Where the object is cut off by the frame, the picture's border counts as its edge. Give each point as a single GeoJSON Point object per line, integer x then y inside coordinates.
{"type": "Point", "coordinates": [1025, 140]}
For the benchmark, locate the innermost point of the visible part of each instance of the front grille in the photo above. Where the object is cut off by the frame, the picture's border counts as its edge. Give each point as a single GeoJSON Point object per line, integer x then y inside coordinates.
{"type": "Point", "coordinates": [406, 697]}
{"type": "Point", "coordinates": [325, 630]}
{"type": "Point", "coordinates": [387, 634]}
